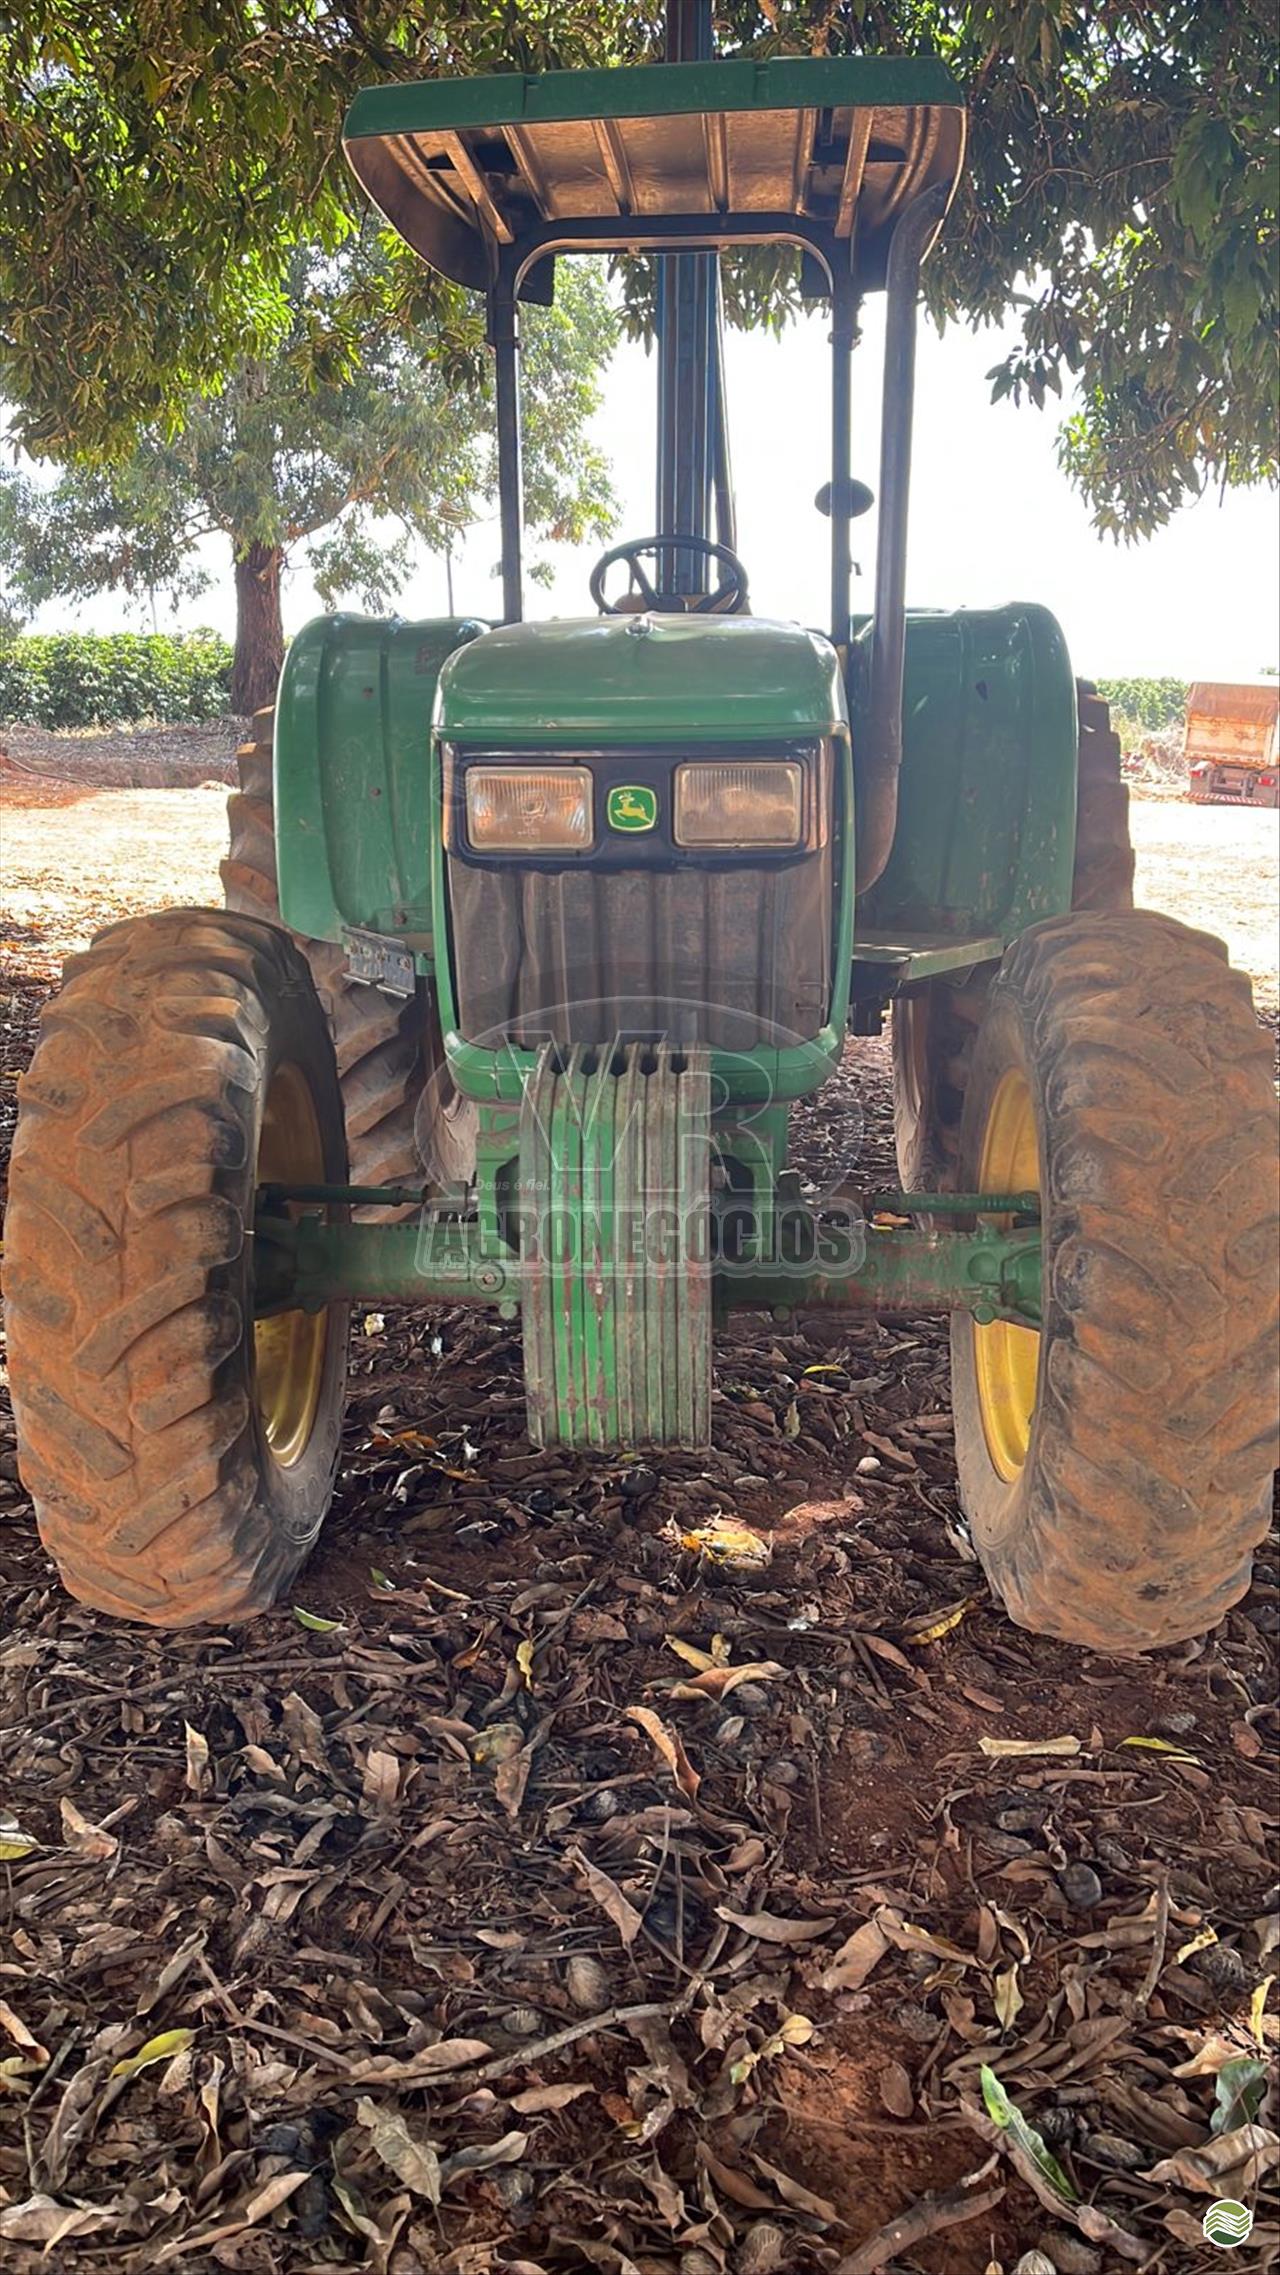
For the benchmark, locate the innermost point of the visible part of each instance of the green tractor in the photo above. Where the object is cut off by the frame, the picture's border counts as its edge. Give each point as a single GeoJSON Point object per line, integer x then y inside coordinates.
{"type": "Point", "coordinates": [536, 933]}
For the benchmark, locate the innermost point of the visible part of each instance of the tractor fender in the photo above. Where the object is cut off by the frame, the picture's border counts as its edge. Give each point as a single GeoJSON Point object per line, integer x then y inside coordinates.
{"type": "Point", "coordinates": [352, 749]}
{"type": "Point", "coordinates": [985, 836]}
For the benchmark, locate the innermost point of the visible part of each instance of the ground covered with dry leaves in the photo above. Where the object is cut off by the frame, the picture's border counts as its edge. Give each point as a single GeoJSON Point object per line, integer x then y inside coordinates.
{"type": "Point", "coordinates": [534, 1898]}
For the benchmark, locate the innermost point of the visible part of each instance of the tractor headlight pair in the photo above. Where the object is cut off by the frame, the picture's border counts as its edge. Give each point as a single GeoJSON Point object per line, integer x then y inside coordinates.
{"type": "Point", "coordinates": [529, 809]}
{"type": "Point", "coordinates": [723, 804]}
{"type": "Point", "coordinates": [718, 805]}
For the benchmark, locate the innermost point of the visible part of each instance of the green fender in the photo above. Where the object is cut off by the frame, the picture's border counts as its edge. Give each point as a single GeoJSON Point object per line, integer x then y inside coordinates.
{"type": "Point", "coordinates": [985, 840]}
{"type": "Point", "coordinates": [352, 758]}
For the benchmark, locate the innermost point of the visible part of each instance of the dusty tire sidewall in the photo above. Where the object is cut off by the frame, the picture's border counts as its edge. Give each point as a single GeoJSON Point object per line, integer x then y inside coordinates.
{"type": "Point", "coordinates": [297, 1497]}
{"type": "Point", "coordinates": [1000, 1510]}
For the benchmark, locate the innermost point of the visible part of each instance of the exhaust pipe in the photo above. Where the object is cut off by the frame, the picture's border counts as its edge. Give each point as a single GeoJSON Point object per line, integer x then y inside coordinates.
{"type": "Point", "coordinates": [877, 766]}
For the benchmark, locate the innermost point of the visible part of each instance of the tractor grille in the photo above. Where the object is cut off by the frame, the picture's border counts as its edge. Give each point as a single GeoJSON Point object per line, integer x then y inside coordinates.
{"type": "Point", "coordinates": [737, 958]}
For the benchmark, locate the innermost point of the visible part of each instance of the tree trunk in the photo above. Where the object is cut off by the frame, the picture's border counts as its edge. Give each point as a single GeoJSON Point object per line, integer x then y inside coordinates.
{"type": "Point", "coordinates": [259, 631]}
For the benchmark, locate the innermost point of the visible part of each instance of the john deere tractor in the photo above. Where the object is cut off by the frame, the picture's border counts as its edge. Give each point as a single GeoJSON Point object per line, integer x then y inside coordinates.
{"type": "Point", "coordinates": [537, 932]}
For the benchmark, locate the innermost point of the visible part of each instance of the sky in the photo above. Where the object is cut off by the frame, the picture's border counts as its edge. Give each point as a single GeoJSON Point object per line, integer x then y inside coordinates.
{"type": "Point", "coordinates": [992, 518]}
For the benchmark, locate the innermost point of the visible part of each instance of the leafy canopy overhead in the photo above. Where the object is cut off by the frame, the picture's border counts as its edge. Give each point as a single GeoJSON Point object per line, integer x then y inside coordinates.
{"type": "Point", "coordinates": [310, 449]}
{"type": "Point", "coordinates": [160, 164]}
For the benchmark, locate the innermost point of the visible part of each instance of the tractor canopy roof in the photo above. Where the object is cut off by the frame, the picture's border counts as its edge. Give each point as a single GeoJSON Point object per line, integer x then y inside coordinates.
{"type": "Point", "coordinates": [824, 152]}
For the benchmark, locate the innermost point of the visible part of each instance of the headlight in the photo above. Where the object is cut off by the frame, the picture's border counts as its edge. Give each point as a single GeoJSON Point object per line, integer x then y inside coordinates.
{"type": "Point", "coordinates": [731, 803]}
{"type": "Point", "coordinates": [529, 809]}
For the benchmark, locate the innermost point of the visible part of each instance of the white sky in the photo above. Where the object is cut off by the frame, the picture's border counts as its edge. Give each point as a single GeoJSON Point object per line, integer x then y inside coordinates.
{"type": "Point", "coordinates": [992, 518]}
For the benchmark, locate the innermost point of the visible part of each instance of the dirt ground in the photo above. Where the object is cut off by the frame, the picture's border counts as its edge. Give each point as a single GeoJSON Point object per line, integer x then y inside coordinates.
{"type": "Point", "coordinates": [444, 1958]}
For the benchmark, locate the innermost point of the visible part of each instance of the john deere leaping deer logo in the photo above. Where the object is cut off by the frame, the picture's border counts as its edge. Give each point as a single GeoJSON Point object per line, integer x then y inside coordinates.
{"type": "Point", "coordinates": [632, 805]}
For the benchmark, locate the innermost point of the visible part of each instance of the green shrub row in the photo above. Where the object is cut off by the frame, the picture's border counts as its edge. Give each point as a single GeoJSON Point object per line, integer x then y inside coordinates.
{"type": "Point", "coordinates": [83, 679]}
{"type": "Point", "coordinates": [1147, 704]}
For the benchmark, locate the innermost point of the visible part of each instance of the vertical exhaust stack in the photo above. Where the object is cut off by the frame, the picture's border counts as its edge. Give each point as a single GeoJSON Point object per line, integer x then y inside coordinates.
{"type": "Point", "coordinates": [692, 452]}
{"type": "Point", "coordinates": [878, 764]}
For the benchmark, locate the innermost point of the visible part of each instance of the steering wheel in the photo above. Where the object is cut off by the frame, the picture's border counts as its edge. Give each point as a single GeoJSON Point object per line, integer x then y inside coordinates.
{"type": "Point", "coordinates": [730, 597]}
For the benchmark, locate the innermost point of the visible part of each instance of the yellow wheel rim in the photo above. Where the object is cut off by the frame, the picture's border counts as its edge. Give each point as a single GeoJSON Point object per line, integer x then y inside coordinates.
{"type": "Point", "coordinates": [289, 1349]}
{"type": "Point", "coordinates": [1007, 1357]}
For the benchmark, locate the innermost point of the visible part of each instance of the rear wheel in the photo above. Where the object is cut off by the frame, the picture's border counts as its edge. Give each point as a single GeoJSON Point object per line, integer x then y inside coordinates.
{"type": "Point", "coordinates": [406, 1123]}
{"type": "Point", "coordinates": [933, 1029]}
{"type": "Point", "coordinates": [1116, 1467]}
{"type": "Point", "coordinates": [180, 1454]}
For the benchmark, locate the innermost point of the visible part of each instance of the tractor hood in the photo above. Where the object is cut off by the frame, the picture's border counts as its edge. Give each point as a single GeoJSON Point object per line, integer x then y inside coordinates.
{"type": "Point", "coordinates": [607, 680]}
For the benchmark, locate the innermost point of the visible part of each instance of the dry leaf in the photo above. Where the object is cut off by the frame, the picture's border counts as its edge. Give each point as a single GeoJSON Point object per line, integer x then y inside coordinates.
{"type": "Point", "coordinates": [40, 2219]}
{"type": "Point", "coordinates": [906, 1936]}
{"type": "Point", "coordinates": [510, 1779]}
{"type": "Point", "coordinates": [303, 1731]}
{"type": "Point", "coordinates": [484, 2155]}
{"type": "Point", "coordinates": [429, 2062]}
{"type": "Point", "coordinates": [381, 1782]}
{"type": "Point", "coordinates": [19, 2032]}
{"type": "Point", "coordinates": [539, 2098]}
{"type": "Point", "coordinates": [720, 1682]}
{"type": "Point", "coordinates": [608, 1895]}
{"type": "Point", "coordinates": [258, 2205]}
{"type": "Point", "coordinates": [1233, 2164]}
{"type": "Point", "coordinates": [690, 1653]}
{"type": "Point", "coordinates": [1201, 1942]}
{"type": "Point", "coordinates": [735, 2185]}
{"type": "Point", "coordinates": [768, 1928]}
{"type": "Point", "coordinates": [413, 2162]}
{"type": "Point", "coordinates": [670, 1747]}
{"type": "Point", "coordinates": [82, 1838]}
{"type": "Point", "coordinates": [857, 1955]}
{"type": "Point", "coordinates": [896, 2090]}
{"type": "Point", "coordinates": [1007, 1997]}
{"type": "Point", "coordinates": [199, 1778]}
{"type": "Point", "coordinates": [934, 1626]}
{"type": "Point", "coordinates": [800, 2199]}
{"type": "Point", "coordinates": [1020, 1749]}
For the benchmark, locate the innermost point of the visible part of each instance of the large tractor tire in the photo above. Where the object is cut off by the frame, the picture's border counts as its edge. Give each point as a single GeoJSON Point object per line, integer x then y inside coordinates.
{"type": "Point", "coordinates": [1116, 1466]}
{"type": "Point", "coordinates": [406, 1124]}
{"type": "Point", "coordinates": [180, 1454]}
{"type": "Point", "coordinates": [933, 1029]}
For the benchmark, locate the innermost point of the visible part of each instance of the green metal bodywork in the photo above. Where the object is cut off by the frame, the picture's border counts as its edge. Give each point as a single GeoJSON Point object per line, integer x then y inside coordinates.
{"type": "Point", "coordinates": [986, 818]}
{"type": "Point", "coordinates": [985, 840]}
{"type": "Point", "coordinates": [352, 753]}
{"type": "Point", "coordinates": [592, 683]}
{"type": "Point", "coordinates": [600, 682]}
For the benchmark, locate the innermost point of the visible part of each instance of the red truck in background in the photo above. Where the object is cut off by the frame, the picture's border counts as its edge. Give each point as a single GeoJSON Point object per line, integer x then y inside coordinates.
{"type": "Point", "coordinates": [1232, 742]}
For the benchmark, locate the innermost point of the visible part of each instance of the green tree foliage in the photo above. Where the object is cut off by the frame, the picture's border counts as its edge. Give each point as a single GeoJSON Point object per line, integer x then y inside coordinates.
{"type": "Point", "coordinates": [353, 444]}
{"type": "Point", "coordinates": [1120, 205]}
{"type": "Point", "coordinates": [1149, 705]}
{"type": "Point", "coordinates": [159, 163]}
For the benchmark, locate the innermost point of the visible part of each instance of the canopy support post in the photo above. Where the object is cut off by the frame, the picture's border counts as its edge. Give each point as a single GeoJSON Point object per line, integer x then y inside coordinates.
{"type": "Point", "coordinates": [844, 333]}
{"type": "Point", "coordinates": [504, 339]}
{"type": "Point", "coordinates": [876, 780]}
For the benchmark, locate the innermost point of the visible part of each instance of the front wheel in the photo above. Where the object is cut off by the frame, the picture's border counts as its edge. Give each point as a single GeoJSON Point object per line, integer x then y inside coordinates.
{"type": "Point", "coordinates": [180, 1453]}
{"type": "Point", "coordinates": [1116, 1466]}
